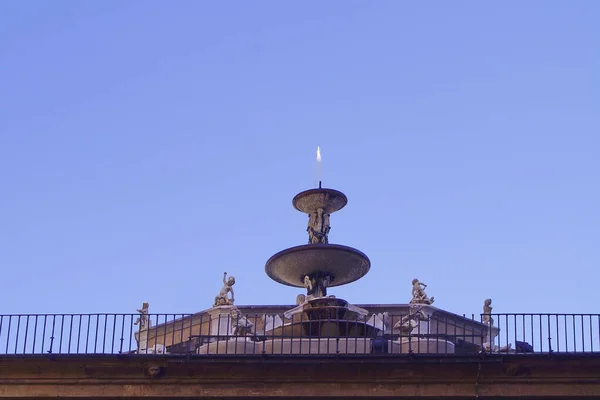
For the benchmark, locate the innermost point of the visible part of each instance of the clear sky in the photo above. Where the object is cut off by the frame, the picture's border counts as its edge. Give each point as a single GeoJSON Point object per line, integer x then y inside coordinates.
{"type": "Point", "coordinates": [147, 147]}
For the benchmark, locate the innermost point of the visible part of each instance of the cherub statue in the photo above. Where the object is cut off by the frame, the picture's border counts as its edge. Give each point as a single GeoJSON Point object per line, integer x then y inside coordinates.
{"type": "Point", "coordinates": [317, 286]}
{"type": "Point", "coordinates": [240, 324]}
{"type": "Point", "coordinates": [310, 287]}
{"type": "Point", "coordinates": [312, 223]}
{"type": "Point", "coordinates": [487, 311]}
{"type": "Point", "coordinates": [324, 283]}
{"type": "Point", "coordinates": [326, 227]}
{"type": "Point", "coordinates": [142, 320]}
{"type": "Point", "coordinates": [418, 293]}
{"type": "Point", "coordinates": [318, 227]}
{"type": "Point", "coordinates": [222, 299]}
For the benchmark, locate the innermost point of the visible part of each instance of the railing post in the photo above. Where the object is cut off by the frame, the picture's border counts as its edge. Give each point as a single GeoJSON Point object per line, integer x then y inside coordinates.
{"type": "Point", "coordinates": [52, 334]}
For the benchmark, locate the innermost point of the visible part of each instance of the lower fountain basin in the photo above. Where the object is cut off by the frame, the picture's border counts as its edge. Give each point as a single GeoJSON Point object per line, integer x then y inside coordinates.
{"type": "Point", "coordinates": [325, 317]}
{"type": "Point", "coordinates": [324, 308]}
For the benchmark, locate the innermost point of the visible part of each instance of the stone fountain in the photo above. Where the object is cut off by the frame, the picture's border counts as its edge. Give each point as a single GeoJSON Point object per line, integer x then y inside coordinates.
{"type": "Point", "coordinates": [317, 266]}
{"type": "Point", "coordinates": [321, 323]}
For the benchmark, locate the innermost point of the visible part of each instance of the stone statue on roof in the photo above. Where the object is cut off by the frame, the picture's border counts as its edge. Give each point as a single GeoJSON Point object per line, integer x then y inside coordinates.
{"type": "Point", "coordinates": [142, 320]}
{"type": "Point", "coordinates": [486, 317]}
{"type": "Point", "coordinates": [241, 326]}
{"type": "Point", "coordinates": [222, 299]}
{"type": "Point", "coordinates": [418, 293]}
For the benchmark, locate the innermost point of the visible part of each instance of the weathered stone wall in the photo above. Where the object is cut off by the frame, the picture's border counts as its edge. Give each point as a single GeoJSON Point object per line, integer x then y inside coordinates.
{"type": "Point", "coordinates": [570, 376]}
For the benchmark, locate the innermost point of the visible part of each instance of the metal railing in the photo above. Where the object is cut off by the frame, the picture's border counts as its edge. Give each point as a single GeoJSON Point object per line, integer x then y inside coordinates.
{"type": "Point", "coordinates": [200, 335]}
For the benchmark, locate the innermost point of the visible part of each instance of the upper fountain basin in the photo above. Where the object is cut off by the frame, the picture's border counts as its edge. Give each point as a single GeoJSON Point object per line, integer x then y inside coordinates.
{"type": "Point", "coordinates": [329, 200]}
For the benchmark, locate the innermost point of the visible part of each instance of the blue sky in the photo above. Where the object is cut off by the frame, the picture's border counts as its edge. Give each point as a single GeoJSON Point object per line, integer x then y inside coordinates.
{"type": "Point", "coordinates": [147, 147]}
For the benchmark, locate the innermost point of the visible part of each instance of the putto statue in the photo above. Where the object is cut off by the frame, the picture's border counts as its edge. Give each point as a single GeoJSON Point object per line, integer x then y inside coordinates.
{"type": "Point", "coordinates": [222, 298]}
{"type": "Point", "coordinates": [318, 227]}
{"type": "Point", "coordinates": [308, 284]}
{"type": "Point", "coordinates": [324, 283]}
{"type": "Point", "coordinates": [316, 287]}
{"type": "Point", "coordinates": [418, 293]}
{"type": "Point", "coordinates": [142, 320]}
{"type": "Point", "coordinates": [240, 324]}
{"type": "Point", "coordinates": [486, 317]}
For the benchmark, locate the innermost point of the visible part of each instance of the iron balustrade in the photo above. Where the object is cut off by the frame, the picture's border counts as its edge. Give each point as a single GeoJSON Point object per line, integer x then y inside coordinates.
{"type": "Point", "coordinates": [199, 335]}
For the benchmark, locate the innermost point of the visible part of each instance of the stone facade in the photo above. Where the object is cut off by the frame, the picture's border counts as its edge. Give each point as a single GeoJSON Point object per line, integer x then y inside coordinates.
{"type": "Point", "coordinates": [457, 377]}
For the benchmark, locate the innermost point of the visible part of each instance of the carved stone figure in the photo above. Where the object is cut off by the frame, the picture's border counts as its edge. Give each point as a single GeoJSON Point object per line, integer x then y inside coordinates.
{"type": "Point", "coordinates": [155, 371]}
{"type": "Point", "coordinates": [487, 311]}
{"type": "Point", "coordinates": [326, 227]}
{"type": "Point", "coordinates": [418, 293]}
{"type": "Point", "coordinates": [240, 324]}
{"type": "Point", "coordinates": [487, 319]}
{"type": "Point", "coordinates": [222, 299]}
{"type": "Point", "coordinates": [318, 227]}
{"type": "Point", "coordinates": [496, 349]}
{"type": "Point", "coordinates": [310, 287]}
{"type": "Point", "coordinates": [325, 281]}
{"type": "Point", "coordinates": [320, 290]}
{"type": "Point", "coordinates": [300, 299]}
{"type": "Point", "coordinates": [312, 223]}
{"type": "Point", "coordinates": [142, 320]}
{"type": "Point", "coordinates": [316, 287]}
{"type": "Point", "coordinates": [411, 321]}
